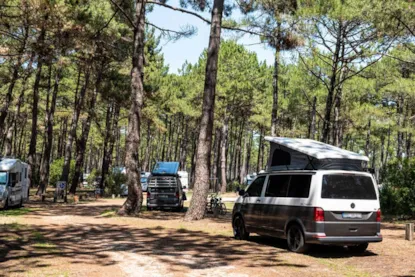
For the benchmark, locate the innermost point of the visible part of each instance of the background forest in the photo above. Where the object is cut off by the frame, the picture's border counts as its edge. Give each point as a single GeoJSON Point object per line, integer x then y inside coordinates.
{"type": "Point", "coordinates": [343, 73]}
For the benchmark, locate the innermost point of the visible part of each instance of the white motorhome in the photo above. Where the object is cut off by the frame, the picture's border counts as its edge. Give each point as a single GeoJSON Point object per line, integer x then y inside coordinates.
{"type": "Point", "coordinates": [14, 182]}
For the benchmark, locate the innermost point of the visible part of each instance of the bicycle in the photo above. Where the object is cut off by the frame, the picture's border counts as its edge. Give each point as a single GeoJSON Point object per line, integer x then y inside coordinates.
{"type": "Point", "coordinates": [215, 206]}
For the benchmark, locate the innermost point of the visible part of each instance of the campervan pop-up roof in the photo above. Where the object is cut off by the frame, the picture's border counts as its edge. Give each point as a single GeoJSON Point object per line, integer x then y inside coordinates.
{"type": "Point", "coordinates": [290, 153]}
{"type": "Point", "coordinates": [166, 168]}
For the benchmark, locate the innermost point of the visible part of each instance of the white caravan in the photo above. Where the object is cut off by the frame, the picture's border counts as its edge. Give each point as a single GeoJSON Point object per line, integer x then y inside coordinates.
{"type": "Point", "coordinates": [14, 182]}
{"type": "Point", "coordinates": [184, 179]}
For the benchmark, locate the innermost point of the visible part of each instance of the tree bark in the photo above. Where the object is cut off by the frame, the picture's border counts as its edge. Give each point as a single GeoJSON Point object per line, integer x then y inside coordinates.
{"type": "Point", "coordinates": [79, 101]}
{"type": "Point", "coordinates": [312, 126]}
{"type": "Point", "coordinates": [333, 83]}
{"type": "Point", "coordinates": [81, 143]}
{"type": "Point", "coordinates": [13, 125]}
{"type": "Point", "coordinates": [197, 207]}
{"type": "Point", "coordinates": [367, 146]}
{"type": "Point", "coordinates": [44, 172]}
{"type": "Point", "coordinates": [274, 113]}
{"type": "Point", "coordinates": [105, 158]}
{"type": "Point", "coordinates": [224, 143]}
{"type": "Point", "coordinates": [132, 205]}
{"type": "Point", "coordinates": [184, 148]}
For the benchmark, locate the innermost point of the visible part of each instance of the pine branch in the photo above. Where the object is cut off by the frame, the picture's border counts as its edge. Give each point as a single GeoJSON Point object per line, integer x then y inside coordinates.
{"type": "Point", "coordinates": [124, 13]}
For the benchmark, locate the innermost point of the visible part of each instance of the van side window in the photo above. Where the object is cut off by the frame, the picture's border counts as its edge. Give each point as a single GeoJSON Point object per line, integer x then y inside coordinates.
{"type": "Point", "coordinates": [299, 186]}
{"type": "Point", "coordinates": [277, 186]}
{"type": "Point", "coordinates": [255, 188]}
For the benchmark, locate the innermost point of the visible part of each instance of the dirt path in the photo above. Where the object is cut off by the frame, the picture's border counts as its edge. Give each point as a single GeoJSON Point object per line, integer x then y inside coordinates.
{"type": "Point", "coordinates": [80, 240]}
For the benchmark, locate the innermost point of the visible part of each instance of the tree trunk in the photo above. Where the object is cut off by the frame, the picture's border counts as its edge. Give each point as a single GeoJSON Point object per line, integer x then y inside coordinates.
{"type": "Point", "coordinates": [13, 125]}
{"type": "Point", "coordinates": [197, 207]}
{"type": "Point", "coordinates": [79, 101]}
{"type": "Point", "coordinates": [312, 126]}
{"type": "Point", "coordinates": [243, 171]}
{"type": "Point", "coordinates": [44, 172]}
{"type": "Point", "coordinates": [274, 113]}
{"type": "Point", "coordinates": [81, 143]}
{"type": "Point", "coordinates": [216, 149]}
{"type": "Point", "coordinates": [33, 138]}
{"type": "Point", "coordinates": [258, 165]}
{"type": "Point", "coordinates": [105, 158]}
{"type": "Point", "coordinates": [367, 147]}
{"type": "Point", "coordinates": [4, 110]}
{"type": "Point", "coordinates": [148, 148]}
{"type": "Point", "coordinates": [132, 205]}
{"type": "Point", "coordinates": [333, 83]}
{"type": "Point", "coordinates": [184, 148]}
{"type": "Point", "coordinates": [399, 107]}
{"type": "Point", "coordinates": [224, 143]}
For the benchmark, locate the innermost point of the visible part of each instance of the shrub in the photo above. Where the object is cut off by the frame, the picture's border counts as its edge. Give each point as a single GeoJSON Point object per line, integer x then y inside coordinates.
{"type": "Point", "coordinates": [113, 182]}
{"type": "Point", "coordinates": [55, 171]}
{"type": "Point", "coordinates": [397, 195]}
{"type": "Point", "coordinates": [232, 186]}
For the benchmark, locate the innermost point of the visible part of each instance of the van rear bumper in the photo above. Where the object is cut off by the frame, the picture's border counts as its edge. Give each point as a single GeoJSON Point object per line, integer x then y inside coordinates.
{"type": "Point", "coordinates": [318, 238]}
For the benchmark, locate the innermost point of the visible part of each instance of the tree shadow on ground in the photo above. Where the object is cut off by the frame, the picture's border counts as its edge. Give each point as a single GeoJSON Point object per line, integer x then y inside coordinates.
{"type": "Point", "coordinates": [317, 251]}
{"type": "Point", "coordinates": [92, 244]}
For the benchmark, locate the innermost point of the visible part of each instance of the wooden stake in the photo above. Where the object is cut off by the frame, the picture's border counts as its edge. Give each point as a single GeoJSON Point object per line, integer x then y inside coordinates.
{"type": "Point", "coordinates": [409, 231]}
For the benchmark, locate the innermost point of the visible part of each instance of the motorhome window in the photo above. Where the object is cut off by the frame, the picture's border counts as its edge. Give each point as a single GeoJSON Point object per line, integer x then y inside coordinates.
{"type": "Point", "coordinates": [348, 187]}
{"type": "Point", "coordinates": [280, 157]}
{"type": "Point", "coordinates": [277, 186]}
{"type": "Point", "coordinates": [255, 188]}
{"type": "Point", "coordinates": [13, 177]}
{"type": "Point", "coordinates": [299, 186]}
{"type": "Point", "coordinates": [3, 178]}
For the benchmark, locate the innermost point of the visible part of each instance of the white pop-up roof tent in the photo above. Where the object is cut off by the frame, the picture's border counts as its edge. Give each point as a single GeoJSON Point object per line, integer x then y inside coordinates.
{"type": "Point", "coordinates": [302, 154]}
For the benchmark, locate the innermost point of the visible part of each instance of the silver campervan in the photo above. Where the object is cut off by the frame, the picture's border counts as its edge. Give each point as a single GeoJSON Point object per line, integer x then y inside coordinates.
{"type": "Point", "coordinates": [312, 193]}
{"type": "Point", "coordinates": [14, 183]}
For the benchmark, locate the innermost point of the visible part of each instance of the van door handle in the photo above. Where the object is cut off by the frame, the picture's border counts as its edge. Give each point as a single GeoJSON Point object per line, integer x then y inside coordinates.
{"type": "Point", "coordinates": [258, 200]}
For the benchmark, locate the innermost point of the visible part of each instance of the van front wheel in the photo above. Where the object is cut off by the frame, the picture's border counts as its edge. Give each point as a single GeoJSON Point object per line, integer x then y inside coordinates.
{"type": "Point", "coordinates": [295, 239]}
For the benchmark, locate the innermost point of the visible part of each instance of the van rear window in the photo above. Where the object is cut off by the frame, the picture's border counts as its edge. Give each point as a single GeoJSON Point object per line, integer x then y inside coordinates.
{"type": "Point", "coordinates": [348, 187]}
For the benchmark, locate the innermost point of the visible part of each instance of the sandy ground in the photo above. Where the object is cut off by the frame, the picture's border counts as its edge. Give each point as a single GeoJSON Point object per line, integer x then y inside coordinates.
{"type": "Point", "coordinates": [86, 240]}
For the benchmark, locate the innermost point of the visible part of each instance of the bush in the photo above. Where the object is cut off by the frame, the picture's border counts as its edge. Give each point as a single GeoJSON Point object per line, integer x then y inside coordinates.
{"type": "Point", "coordinates": [397, 195]}
{"type": "Point", "coordinates": [232, 186]}
{"type": "Point", "coordinates": [55, 171]}
{"type": "Point", "coordinates": [113, 182]}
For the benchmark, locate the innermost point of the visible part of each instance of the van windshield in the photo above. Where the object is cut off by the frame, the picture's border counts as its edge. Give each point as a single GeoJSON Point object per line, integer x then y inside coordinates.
{"type": "Point", "coordinates": [345, 186]}
{"type": "Point", "coordinates": [3, 178]}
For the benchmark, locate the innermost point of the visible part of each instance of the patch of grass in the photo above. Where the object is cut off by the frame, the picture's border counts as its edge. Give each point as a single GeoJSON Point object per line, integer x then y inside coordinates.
{"type": "Point", "coordinates": [109, 213]}
{"type": "Point", "coordinates": [44, 245]}
{"type": "Point", "coordinates": [16, 211]}
{"type": "Point", "coordinates": [13, 226]}
{"type": "Point", "coordinates": [346, 270]}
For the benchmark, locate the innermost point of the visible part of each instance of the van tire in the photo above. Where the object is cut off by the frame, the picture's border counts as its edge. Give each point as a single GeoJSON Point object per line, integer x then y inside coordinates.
{"type": "Point", "coordinates": [295, 239]}
{"type": "Point", "coordinates": [6, 204]}
{"type": "Point", "coordinates": [21, 203]}
{"type": "Point", "coordinates": [239, 230]}
{"type": "Point", "coordinates": [358, 249]}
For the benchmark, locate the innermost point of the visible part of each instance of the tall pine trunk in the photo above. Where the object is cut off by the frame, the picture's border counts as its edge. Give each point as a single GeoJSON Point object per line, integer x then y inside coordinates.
{"type": "Point", "coordinates": [197, 207]}
{"type": "Point", "coordinates": [81, 143]}
{"type": "Point", "coordinates": [50, 111]}
{"type": "Point", "coordinates": [134, 200]}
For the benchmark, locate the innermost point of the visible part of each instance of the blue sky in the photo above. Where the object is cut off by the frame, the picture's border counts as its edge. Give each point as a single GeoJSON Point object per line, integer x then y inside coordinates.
{"type": "Point", "coordinates": [176, 53]}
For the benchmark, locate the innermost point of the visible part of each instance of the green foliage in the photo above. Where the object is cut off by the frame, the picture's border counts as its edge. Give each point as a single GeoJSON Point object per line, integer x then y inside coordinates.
{"type": "Point", "coordinates": [56, 171]}
{"type": "Point", "coordinates": [398, 193]}
{"type": "Point", "coordinates": [232, 186]}
{"type": "Point", "coordinates": [113, 182]}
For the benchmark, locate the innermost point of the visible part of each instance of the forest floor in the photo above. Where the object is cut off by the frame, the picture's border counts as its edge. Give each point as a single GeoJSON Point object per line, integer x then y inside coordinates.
{"type": "Point", "coordinates": [45, 239]}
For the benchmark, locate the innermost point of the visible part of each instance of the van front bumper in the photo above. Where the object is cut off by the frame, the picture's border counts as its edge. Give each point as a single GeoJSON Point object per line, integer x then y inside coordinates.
{"type": "Point", "coordinates": [317, 238]}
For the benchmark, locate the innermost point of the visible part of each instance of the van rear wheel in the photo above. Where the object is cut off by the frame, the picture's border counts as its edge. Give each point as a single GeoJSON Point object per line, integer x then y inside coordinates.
{"type": "Point", "coordinates": [295, 239]}
{"type": "Point", "coordinates": [239, 230]}
{"type": "Point", "coordinates": [360, 248]}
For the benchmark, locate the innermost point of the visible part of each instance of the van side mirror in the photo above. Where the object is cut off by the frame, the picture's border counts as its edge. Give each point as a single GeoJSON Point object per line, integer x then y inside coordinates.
{"type": "Point", "coordinates": [242, 192]}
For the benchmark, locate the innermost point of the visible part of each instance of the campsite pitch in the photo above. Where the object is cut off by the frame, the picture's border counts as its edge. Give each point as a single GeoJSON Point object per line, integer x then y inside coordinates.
{"type": "Point", "coordinates": [89, 240]}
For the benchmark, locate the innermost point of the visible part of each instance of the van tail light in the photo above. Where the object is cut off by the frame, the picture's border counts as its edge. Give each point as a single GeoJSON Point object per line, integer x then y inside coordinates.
{"type": "Point", "coordinates": [378, 216]}
{"type": "Point", "coordinates": [318, 214]}
{"type": "Point", "coordinates": [177, 195]}
{"type": "Point", "coordinates": [148, 195]}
